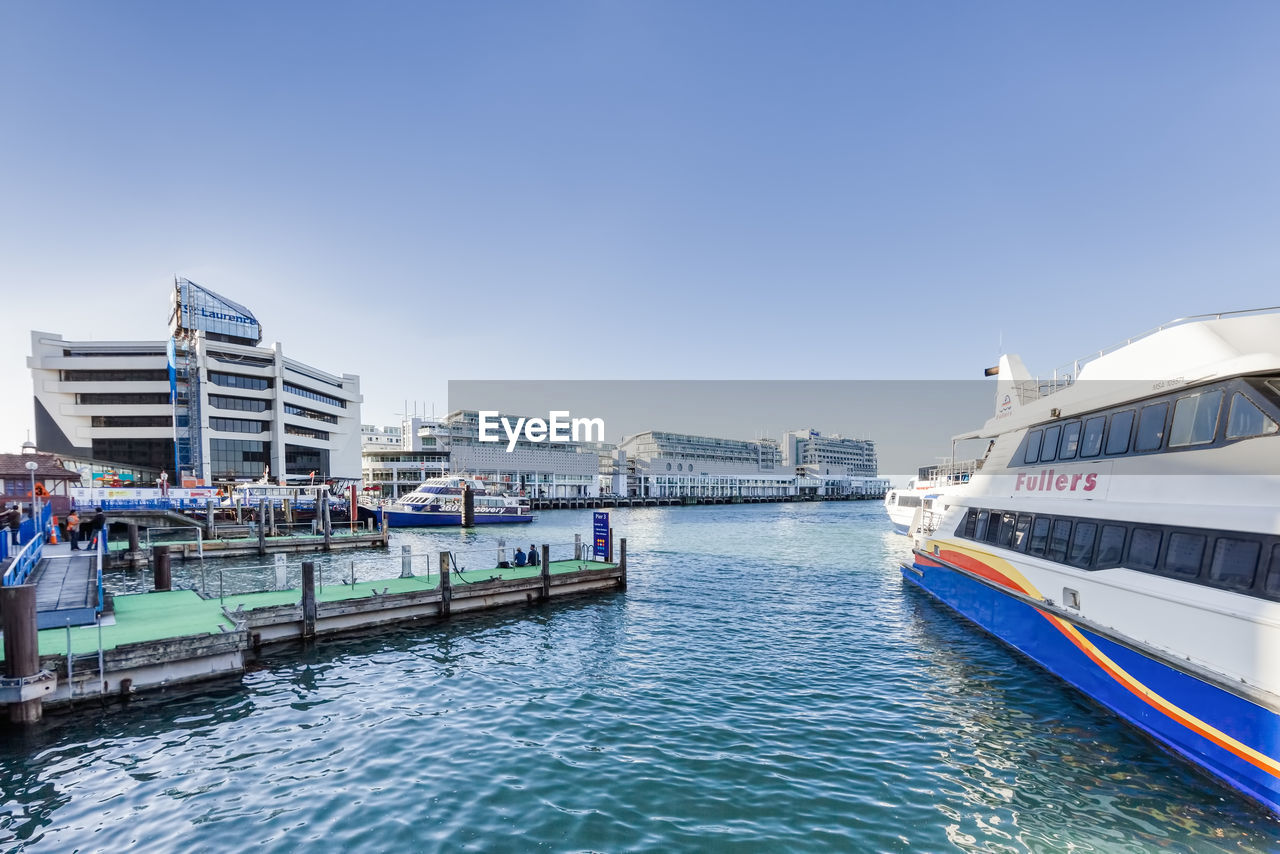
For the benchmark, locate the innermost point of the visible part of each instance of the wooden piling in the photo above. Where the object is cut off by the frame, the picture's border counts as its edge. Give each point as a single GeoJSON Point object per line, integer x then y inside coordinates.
{"type": "Point", "coordinates": [210, 525]}
{"type": "Point", "coordinates": [546, 572]}
{"type": "Point", "coordinates": [271, 519]}
{"type": "Point", "coordinates": [406, 562]}
{"type": "Point", "coordinates": [468, 506]}
{"type": "Point", "coordinates": [160, 563]}
{"type": "Point", "coordinates": [446, 587]}
{"type": "Point", "coordinates": [133, 538]}
{"type": "Point", "coordinates": [288, 512]}
{"type": "Point", "coordinates": [308, 599]}
{"type": "Point", "coordinates": [610, 558]}
{"type": "Point", "coordinates": [322, 510]}
{"type": "Point", "coordinates": [21, 646]}
{"type": "Point", "coordinates": [262, 526]}
{"type": "Point", "coordinates": [622, 563]}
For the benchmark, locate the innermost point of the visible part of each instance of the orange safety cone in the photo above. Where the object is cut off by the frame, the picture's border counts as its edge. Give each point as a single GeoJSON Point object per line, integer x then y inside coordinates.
{"type": "Point", "coordinates": [53, 532]}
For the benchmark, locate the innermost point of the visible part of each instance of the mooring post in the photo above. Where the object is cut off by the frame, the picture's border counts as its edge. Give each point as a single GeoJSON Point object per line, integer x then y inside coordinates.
{"type": "Point", "coordinates": [610, 544]}
{"type": "Point", "coordinates": [288, 513]}
{"type": "Point", "coordinates": [322, 501]}
{"type": "Point", "coordinates": [446, 587]}
{"type": "Point", "coordinates": [577, 547]}
{"type": "Point", "coordinates": [468, 506]}
{"type": "Point", "coordinates": [308, 599]}
{"type": "Point", "coordinates": [271, 518]}
{"type": "Point", "coordinates": [282, 572]}
{"type": "Point", "coordinates": [239, 512]}
{"type": "Point", "coordinates": [21, 647]}
{"type": "Point", "coordinates": [160, 564]}
{"type": "Point", "coordinates": [262, 526]}
{"type": "Point", "coordinates": [622, 563]}
{"type": "Point", "coordinates": [209, 524]}
{"type": "Point", "coordinates": [406, 561]}
{"type": "Point", "coordinates": [546, 572]}
{"type": "Point", "coordinates": [133, 540]}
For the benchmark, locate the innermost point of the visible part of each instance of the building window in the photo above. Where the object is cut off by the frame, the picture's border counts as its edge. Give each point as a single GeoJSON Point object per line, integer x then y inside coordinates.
{"type": "Point", "coordinates": [132, 421]}
{"type": "Point", "coordinates": [237, 425]}
{"type": "Point", "coordinates": [116, 376]}
{"type": "Point", "coordinates": [314, 395]}
{"type": "Point", "coordinates": [238, 381]}
{"type": "Point", "coordinates": [294, 430]}
{"type": "Point", "coordinates": [242, 404]}
{"type": "Point", "coordinates": [159, 398]}
{"type": "Point", "coordinates": [232, 458]}
{"type": "Point", "coordinates": [303, 412]}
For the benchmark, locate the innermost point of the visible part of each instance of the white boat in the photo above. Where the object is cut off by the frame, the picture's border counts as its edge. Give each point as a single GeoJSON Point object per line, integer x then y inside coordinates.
{"type": "Point", "coordinates": [924, 497]}
{"type": "Point", "coordinates": [439, 501]}
{"type": "Point", "coordinates": [1124, 532]}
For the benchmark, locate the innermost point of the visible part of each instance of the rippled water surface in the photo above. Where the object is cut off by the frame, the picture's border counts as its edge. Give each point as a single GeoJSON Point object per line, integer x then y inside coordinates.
{"type": "Point", "coordinates": [767, 683]}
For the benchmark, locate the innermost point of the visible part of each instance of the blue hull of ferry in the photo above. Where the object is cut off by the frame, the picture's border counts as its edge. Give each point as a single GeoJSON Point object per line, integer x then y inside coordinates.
{"type": "Point", "coordinates": [1236, 740]}
{"type": "Point", "coordinates": [426, 519]}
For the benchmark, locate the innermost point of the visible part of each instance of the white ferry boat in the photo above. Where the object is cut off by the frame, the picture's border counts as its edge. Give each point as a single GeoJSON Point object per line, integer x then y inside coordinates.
{"type": "Point", "coordinates": [1124, 532]}
{"type": "Point", "coordinates": [922, 498]}
{"type": "Point", "coordinates": [438, 501]}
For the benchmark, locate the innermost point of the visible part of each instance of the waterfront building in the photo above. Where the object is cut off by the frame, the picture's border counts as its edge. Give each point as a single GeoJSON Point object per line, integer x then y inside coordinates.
{"type": "Point", "coordinates": [832, 465]}
{"type": "Point", "coordinates": [667, 465]}
{"type": "Point", "coordinates": [209, 403]}
{"type": "Point", "coordinates": [539, 469]}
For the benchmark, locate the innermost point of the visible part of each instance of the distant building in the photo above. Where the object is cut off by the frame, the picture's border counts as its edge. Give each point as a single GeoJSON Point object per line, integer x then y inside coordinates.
{"type": "Point", "coordinates": [52, 480]}
{"type": "Point", "coordinates": [208, 403]}
{"type": "Point", "coordinates": [665, 465]}
{"type": "Point", "coordinates": [832, 464]}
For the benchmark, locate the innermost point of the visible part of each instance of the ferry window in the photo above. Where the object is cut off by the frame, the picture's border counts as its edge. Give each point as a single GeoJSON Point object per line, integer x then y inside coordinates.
{"type": "Point", "coordinates": [1058, 538]}
{"type": "Point", "coordinates": [1144, 548]}
{"type": "Point", "coordinates": [1091, 444]}
{"type": "Point", "coordinates": [1033, 446]}
{"type": "Point", "coordinates": [1235, 562]}
{"type": "Point", "coordinates": [1151, 427]}
{"type": "Point", "coordinates": [1186, 551]}
{"type": "Point", "coordinates": [1272, 587]}
{"type": "Point", "coordinates": [1195, 419]}
{"type": "Point", "coordinates": [980, 530]}
{"type": "Point", "coordinates": [1081, 551]}
{"type": "Point", "coordinates": [1110, 546]}
{"type": "Point", "coordinates": [1070, 440]}
{"type": "Point", "coordinates": [1049, 452]}
{"type": "Point", "coordinates": [1118, 435]}
{"type": "Point", "coordinates": [993, 528]}
{"type": "Point", "coordinates": [1246, 419]}
{"type": "Point", "coordinates": [970, 523]}
{"type": "Point", "coordinates": [1007, 523]}
{"type": "Point", "coordinates": [1039, 536]}
{"type": "Point", "coordinates": [1021, 531]}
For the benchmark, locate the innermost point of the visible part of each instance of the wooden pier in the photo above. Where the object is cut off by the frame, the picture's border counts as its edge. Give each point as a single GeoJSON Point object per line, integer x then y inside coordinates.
{"type": "Point", "coordinates": [160, 639]}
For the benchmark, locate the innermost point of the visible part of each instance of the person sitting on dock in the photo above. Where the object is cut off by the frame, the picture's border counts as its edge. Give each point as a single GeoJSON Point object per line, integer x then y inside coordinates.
{"type": "Point", "coordinates": [520, 558]}
{"type": "Point", "coordinates": [533, 555]}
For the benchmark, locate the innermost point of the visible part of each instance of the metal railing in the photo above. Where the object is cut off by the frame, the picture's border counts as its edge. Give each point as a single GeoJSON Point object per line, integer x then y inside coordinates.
{"type": "Point", "coordinates": [32, 547]}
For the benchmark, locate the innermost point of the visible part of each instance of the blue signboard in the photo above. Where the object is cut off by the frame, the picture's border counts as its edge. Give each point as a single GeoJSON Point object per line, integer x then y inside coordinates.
{"type": "Point", "coordinates": [600, 535]}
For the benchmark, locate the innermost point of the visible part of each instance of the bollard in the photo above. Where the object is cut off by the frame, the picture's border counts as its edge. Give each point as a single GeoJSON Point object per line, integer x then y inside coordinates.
{"type": "Point", "coordinates": [546, 572]}
{"type": "Point", "coordinates": [21, 647]}
{"type": "Point", "coordinates": [133, 539]}
{"type": "Point", "coordinates": [577, 547]}
{"type": "Point", "coordinates": [446, 587]}
{"type": "Point", "coordinates": [282, 572]}
{"type": "Point", "coordinates": [406, 562]}
{"type": "Point", "coordinates": [622, 563]}
{"type": "Point", "coordinates": [308, 599]}
{"type": "Point", "coordinates": [160, 564]}
{"type": "Point", "coordinates": [262, 526]}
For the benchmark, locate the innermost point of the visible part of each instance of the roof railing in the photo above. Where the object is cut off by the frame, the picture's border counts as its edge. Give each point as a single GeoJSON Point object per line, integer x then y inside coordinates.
{"type": "Point", "coordinates": [1065, 376]}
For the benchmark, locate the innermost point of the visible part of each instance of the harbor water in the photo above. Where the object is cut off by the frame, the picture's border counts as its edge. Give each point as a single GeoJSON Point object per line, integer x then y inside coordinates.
{"type": "Point", "coordinates": [767, 683]}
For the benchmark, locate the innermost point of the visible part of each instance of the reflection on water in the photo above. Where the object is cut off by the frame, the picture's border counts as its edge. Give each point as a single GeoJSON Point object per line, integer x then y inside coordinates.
{"type": "Point", "coordinates": [768, 681]}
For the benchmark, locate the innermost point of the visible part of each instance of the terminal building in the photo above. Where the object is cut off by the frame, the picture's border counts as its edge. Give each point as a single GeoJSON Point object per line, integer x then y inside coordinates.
{"type": "Point", "coordinates": [452, 445]}
{"type": "Point", "coordinates": [207, 404]}
{"type": "Point", "coordinates": [832, 465]}
{"type": "Point", "coordinates": [677, 465]}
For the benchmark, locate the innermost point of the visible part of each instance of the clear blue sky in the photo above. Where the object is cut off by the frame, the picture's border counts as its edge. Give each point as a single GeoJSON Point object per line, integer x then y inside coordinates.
{"type": "Point", "coordinates": [418, 192]}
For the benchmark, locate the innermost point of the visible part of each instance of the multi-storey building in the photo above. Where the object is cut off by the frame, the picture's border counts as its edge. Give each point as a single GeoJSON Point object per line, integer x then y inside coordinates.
{"type": "Point", "coordinates": [832, 464]}
{"type": "Point", "coordinates": [209, 403]}
{"type": "Point", "coordinates": [664, 465]}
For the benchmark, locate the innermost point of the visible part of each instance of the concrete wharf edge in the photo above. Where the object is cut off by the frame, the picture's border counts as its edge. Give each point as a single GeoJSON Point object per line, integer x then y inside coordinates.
{"type": "Point", "coordinates": [241, 630]}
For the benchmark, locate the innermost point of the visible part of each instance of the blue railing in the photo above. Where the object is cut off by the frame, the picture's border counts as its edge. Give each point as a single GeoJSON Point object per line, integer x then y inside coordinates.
{"type": "Point", "coordinates": [5, 536]}
{"type": "Point", "coordinates": [99, 560]}
{"type": "Point", "coordinates": [32, 547]}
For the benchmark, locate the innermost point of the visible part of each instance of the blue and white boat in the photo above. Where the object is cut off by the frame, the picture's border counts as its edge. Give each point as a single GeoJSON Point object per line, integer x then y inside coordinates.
{"type": "Point", "coordinates": [1124, 533]}
{"type": "Point", "coordinates": [438, 501]}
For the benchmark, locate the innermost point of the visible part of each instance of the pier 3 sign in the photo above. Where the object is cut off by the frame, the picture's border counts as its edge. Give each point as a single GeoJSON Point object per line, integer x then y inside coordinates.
{"type": "Point", "coordinates": [600, 535]}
